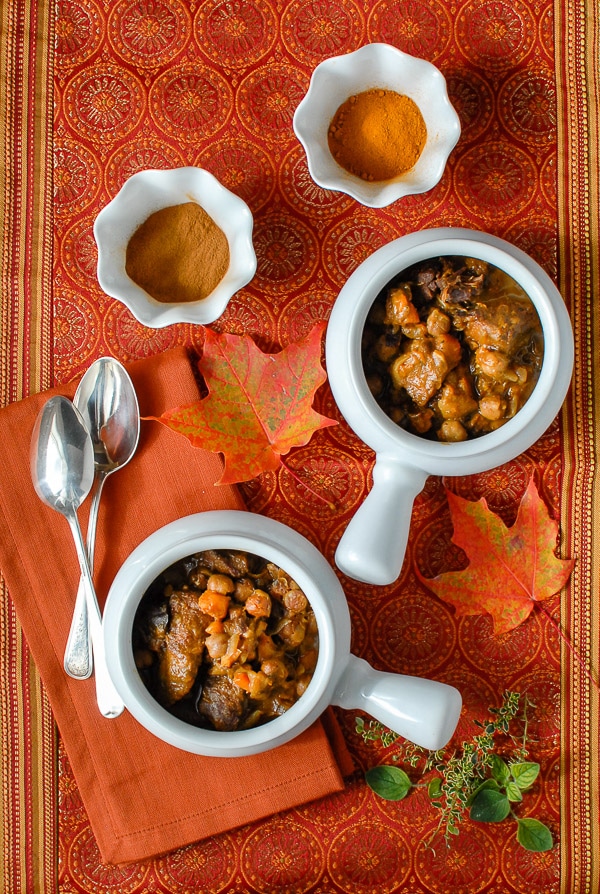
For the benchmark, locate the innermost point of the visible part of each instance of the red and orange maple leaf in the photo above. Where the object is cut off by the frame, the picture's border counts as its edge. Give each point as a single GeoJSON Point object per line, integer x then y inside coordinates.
{"type": "Point", "coordinates": [258, 406]}
{"type": "Point", "coordinates": [510, 569]}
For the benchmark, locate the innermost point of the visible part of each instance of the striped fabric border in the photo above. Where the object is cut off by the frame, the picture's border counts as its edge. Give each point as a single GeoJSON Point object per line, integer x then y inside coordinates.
{"type": "Point", "coordinates": [576, 40]}
{"type": "Point", "coordinates": [28, 837]}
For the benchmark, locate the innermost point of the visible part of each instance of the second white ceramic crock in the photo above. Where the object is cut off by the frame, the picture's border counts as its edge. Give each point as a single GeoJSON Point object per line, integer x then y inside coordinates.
{"type": "Point", "coordinates": [424, 711]}
{"type": "Point", "coordinates": [373, 546]}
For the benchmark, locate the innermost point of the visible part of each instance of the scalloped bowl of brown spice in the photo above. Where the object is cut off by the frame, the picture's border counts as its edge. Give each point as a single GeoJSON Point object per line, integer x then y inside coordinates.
{"type": "Point", "coordinates": [174, 246]}
{"type": "Point", "coordinates": [377, 124]}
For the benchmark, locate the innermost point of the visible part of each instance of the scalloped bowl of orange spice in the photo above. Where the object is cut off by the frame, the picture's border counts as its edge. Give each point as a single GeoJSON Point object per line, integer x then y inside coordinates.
{"type": "Point", "coordinates": [174, 246]}
{"type": "Point", "coordinates": [377, 124]}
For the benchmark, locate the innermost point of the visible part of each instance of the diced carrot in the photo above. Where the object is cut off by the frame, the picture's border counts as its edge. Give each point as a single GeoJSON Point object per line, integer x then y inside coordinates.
{"type": "Point", "coordinates": [213, 603]}
{"type": "Point", "coordinates": [215, 626]}
{"type": "Point", "coordinates": [241, 679]}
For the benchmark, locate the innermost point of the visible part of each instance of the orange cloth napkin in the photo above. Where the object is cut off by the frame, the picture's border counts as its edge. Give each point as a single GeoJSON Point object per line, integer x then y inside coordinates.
{"type": "Point", "coordinates": [143, 797]}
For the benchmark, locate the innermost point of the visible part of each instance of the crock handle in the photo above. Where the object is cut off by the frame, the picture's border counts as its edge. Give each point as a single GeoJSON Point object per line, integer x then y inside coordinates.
{"type": "Point", "coordinates": [425, 712]}
{"type": "Point", "coordinates": [373, 545]}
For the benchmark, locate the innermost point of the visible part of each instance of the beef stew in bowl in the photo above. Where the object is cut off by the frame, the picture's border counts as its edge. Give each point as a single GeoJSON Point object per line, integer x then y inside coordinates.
{"type": "Point", "coordinates": [225, 640]}
{"type": "Point", "coordinates": [452, 348]}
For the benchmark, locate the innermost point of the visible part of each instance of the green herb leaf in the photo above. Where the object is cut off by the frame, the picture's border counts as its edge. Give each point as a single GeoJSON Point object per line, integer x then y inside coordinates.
{"type": "Point", "coordinates": [489, 806]}
{"type": "Point", "coordinates": [524, 773]}
{"type": "Point", "coordinates": [434, 789]}
{"type": "Point", "coordinates": [390, 783]}
{"type": "Point", "coordinates": [500, 770]}
{"type": "Point", "coordinates": [487, 783]}
{"type": "Point", "coordinates": [534, 835]}
{"type": "Point", "coordinates": [513, 792]}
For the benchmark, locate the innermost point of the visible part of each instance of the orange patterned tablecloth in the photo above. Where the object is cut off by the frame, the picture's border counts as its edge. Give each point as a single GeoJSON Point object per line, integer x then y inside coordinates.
{"type": "Point", "coordinates": [93, 91]}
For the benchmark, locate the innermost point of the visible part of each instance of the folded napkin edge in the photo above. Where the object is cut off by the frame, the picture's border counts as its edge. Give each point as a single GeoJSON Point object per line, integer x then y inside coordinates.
{"type": "Point", "coordinates": [319, 772]}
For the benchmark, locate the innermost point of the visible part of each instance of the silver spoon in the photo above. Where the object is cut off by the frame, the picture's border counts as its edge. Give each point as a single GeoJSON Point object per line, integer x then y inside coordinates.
{"type": "Point", "coordinates": [108, 405]}
{"type": "Point", "coordinates": [62, 471]}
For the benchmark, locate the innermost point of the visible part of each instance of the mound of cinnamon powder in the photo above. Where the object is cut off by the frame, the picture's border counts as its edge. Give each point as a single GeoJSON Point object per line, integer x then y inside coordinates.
{"type": "Point", "coordinates": [179, 254]}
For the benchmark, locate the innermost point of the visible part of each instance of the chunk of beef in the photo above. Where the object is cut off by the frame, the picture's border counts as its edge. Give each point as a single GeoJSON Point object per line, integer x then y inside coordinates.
{"type": "Point", "coordinates": [183, 645]}
{"type": "Point", "coordinates": [222, 703]}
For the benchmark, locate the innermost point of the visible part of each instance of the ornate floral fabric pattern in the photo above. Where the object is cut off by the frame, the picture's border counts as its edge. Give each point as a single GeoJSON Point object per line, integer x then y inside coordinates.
{"type": "Point", "coordinates": [214, 83]}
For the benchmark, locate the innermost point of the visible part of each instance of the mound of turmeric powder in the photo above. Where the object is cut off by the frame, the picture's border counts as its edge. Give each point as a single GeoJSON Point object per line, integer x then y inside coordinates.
{"type": "Point", "coordinates": [377, 134]}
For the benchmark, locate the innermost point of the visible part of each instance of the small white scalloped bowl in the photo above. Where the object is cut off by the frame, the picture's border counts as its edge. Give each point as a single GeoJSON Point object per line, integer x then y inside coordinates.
{"type": "Point", "coordinates": [376, 65]}
{"type": "Point", "coordinates": [140, 196]}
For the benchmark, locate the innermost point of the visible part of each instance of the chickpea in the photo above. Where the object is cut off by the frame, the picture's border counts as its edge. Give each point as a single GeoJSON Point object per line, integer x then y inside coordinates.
{"type": "Point", "coordinates": [452, 430]}
{"type": "Point", "coordinates": [243, 589]}
{"type": "Point", "coordinates": [421, 421]}
{"type": "Point", "coordinates": [492, 407]}
{"type": "Point", "coordinates": [293, 631]}
{"type": "Point", "coordinates": [399, 309]}
{"type": "Point", "coordinates": [450, 348]}
{"type": "Point", "coordinates": [216, 645]}
{"type": "Point", "coordinates": [258, 604]}
{"type": "Point", "coordinates": [198, 578]}
{"type": "Point", "coordinates": [375, 384]}
{"type": "Point", "coordinates": [221, 583]}
{"type": "Point", "coordinates": [386, 349]}
{"type": "Point", "coordinates": [522, 374]}
{"type": "Point", "coordinates": [492, 363]}
{"type": "Point", "coordinates": [302, 684]}
{"type": "Point", "coordinates": [295, 601]}
{"type": "Point", "coordinates": [438, 323]}
{"type": "Point", "coordinates": [308, 662]}
{"type": "Point", "coordinates": [415, 330]}
{"type": "Point", "coordinates": [275, 669]}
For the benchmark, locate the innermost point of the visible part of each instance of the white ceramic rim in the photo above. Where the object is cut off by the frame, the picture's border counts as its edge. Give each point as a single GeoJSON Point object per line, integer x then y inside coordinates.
{"type": "Point", "coordinates": [226, 529]}
{"type": "Point", "coordinates": [337, 78]}
{"type": "Point", "coordinates": [148, 191]}
{"type": "Point", "coordinates": [348, 382]}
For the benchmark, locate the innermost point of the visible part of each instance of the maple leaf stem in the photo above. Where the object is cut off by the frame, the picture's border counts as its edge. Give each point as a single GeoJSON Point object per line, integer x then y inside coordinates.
{"type": "Point", "coordinates": [568, 644]}
{"type": "Point", "coordinates": [311, 490]}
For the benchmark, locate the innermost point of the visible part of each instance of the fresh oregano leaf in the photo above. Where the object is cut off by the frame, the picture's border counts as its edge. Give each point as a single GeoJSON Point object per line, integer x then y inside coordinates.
{"type": "Point", "coordinates": [434, 789]}
{"type": "Point", "coordinates": [390, 783]}
{"type": "Point", "coordinates": [487, 783]}
{"type": "Point", "coordinates": [524, 773]}
{"type": "Point", "coordinates": [533, 835]}
{"type": "Point", "coordinates": [513, 792]}
{"type": "Point", "coordinates": [500, 770]}
{"type": "Point", "coordinates": [489, 806]}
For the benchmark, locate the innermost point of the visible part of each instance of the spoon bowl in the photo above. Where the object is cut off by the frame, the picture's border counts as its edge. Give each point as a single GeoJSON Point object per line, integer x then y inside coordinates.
{"type": "Point", "coordinates": [109, 408]}
{"type": "Point", "coordinates": [62, 461]}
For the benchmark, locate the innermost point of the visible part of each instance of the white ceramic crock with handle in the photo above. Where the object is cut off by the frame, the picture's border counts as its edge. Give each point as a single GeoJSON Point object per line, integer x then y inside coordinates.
{"type": "Point", "coordinates": [373, 545]}
{"type": "Point", "coordinates": [424, 711]}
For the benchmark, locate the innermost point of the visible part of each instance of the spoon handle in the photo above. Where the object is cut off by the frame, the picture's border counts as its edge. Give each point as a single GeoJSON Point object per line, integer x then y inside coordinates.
{"type": "Point", "coordinates": [109, 701]}
{"type": "Point", "coordinates": [78, 661]}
